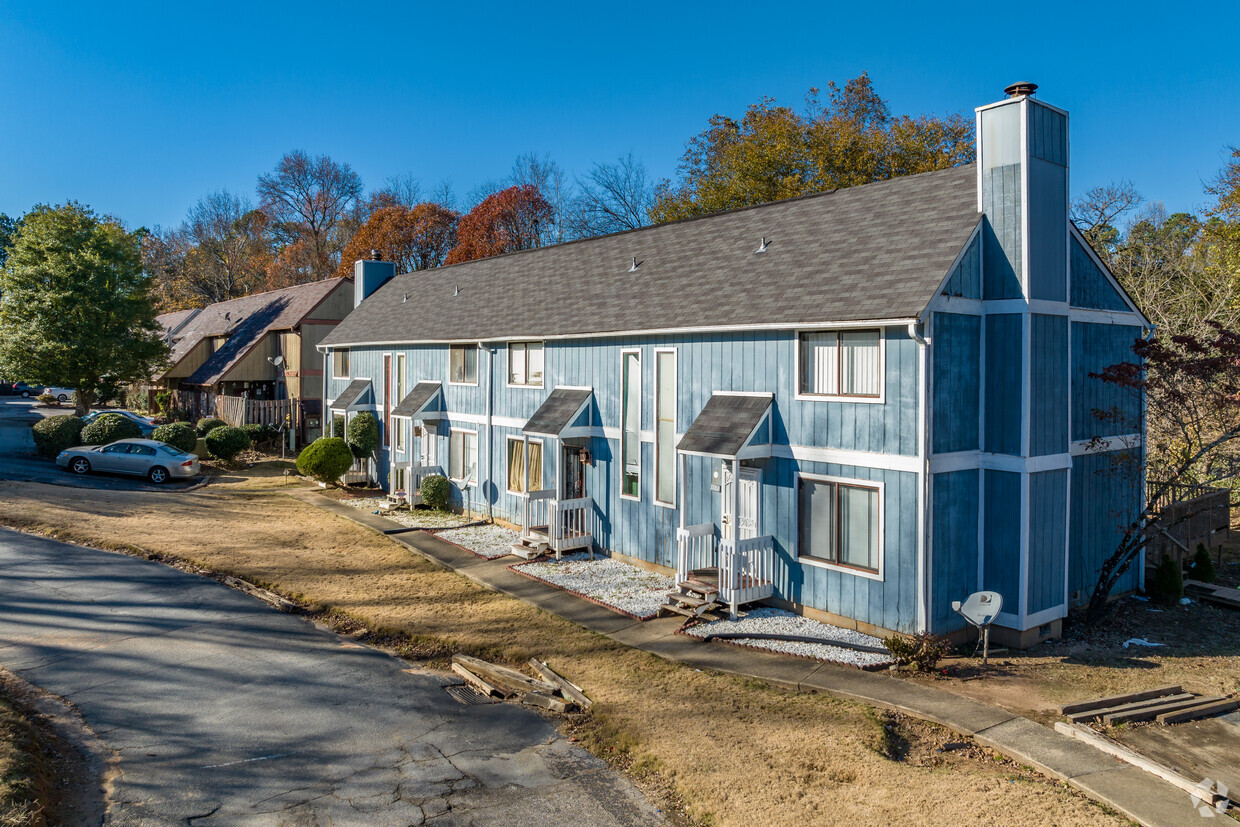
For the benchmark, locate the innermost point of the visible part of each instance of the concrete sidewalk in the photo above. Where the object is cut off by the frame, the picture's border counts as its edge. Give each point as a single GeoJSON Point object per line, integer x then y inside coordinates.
{"type": "Point", "coordinates": [1135, 793]}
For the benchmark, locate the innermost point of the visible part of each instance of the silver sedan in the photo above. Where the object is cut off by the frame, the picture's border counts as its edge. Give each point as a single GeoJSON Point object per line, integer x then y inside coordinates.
{"type": "Point", "coordinates": [157, 461]}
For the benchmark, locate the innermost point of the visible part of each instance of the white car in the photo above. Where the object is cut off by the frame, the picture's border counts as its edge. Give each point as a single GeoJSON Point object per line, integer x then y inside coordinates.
{"type": "Point", "coordinates": [157, 461]}
{"type": "Point", "coordinates": [62, 395]}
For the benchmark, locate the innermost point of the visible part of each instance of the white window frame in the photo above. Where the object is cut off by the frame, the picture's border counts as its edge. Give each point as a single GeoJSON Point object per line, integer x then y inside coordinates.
{"type": "Point", "coordinates": [839, 397]}
{"type": "Point", "coordinates": [388, 363]}
{"type": "Point", "coordinates": [881, 487]}
{"type": "Point", "coordinates": [508, 364]}
{"type": "Point", "coordinates": [477, 359]}
{"type": "Point", "coordinates": [400, 442]}
{"type": "Point", "coordinates": [675, 424]}
{"type": "Point", "coordinates": [467, 432]}
{"type": "Point", "coordinates": [508, 468]}
{"type": "Point", "coordinates": [624, 353]}
{"type": "Point", "coordinates": [342, 351]}
{"type": "Point", "coordinates": [398, 480]}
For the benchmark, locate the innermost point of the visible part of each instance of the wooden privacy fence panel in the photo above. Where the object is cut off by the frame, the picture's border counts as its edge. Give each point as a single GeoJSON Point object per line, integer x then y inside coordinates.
{"type": "Point", "coordinates": [231, 409]}
{"type": "Point", "coordinates": [1203, 517]}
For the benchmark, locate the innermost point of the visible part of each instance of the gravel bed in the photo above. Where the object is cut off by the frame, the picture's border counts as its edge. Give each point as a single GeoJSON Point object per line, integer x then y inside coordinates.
{"type": "Point", "coordinates": [489, 541]}
{"type": "Point", "coordinates": [627, 589]}
{"type": "Point", "coordinates": [417, 518]}
{"type": "Point", "coordinates": [779, 622]}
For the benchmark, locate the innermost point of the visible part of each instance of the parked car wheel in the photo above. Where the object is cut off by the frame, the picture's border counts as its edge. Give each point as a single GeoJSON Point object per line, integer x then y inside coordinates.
{"type": "Point", "coordinates": [64, 397]}
{"type": "Point", "coordinates": [25, 394]}
{"type": "Point", "coordinates": [80, 465]}
{"type": "Point", "coordinates": [157, 475]}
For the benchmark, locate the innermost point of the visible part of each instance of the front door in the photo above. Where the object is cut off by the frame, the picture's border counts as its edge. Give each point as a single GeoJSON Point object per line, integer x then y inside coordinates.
{"type": "Point", "coordinates": [572, 474]}
{"type": "Point", "coordinates": [747, 524]}
{"type": "Point", "coordinates": [428, 446]}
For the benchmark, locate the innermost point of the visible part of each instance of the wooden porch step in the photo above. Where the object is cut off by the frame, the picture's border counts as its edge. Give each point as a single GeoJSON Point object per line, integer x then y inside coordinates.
{"type": "Point", "coordinates": [529, 552]}
{"type": "Point", "coordinates": [699, 587]}
{"type": "Point", "coordinates": [692, 600]}
{"type": "Point", "coordinates": [694, 612]}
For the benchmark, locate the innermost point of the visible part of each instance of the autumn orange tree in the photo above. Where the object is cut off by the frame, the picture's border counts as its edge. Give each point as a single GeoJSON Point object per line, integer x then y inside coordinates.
{"type": "Point", "coordinates": [416, 238]}
{"type": "Point", "coordinates": [512, 219]}
{"type": "Point", "coordinates": [775, 152]}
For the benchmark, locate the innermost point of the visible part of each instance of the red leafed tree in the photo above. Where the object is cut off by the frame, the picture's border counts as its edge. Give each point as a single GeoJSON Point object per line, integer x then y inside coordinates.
{"type": "Point", "coordinates": [417, 238]}
{"type": "Point", "coordinates": [510, 220]}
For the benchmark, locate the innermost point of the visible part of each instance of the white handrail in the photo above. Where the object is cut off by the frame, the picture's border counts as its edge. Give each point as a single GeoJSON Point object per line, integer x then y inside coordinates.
{"type": "Point", "coordinates": [570, 524]}
{"type": "Point", "coordinates": [695, 549]}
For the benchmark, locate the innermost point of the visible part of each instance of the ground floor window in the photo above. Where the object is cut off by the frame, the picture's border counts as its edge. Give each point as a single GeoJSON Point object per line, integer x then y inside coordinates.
{"type": "Point", "coordinates": [462, 455]}
{"type": "Point", "coordinates": [398, 479]}
{"type": "Point", "coordinates": [839, 523]}
{"type": "Point", "coordinates": [516, 465]}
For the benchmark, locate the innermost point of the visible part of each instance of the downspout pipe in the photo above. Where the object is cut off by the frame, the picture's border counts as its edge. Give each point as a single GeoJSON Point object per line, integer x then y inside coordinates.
{"type": "Point", "coordinates": [486, 493]}
{"type": "Point", "coordinates": [916, 332]}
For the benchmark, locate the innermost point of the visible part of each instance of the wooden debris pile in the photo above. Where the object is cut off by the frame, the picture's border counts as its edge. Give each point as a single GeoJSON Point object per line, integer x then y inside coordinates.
{"type": "Point", "coordinates": [549, 690]}
{"type": "Point", "coordinates": [1213, 593]}
{"type": "Point", "coordinates": [1166, 705]}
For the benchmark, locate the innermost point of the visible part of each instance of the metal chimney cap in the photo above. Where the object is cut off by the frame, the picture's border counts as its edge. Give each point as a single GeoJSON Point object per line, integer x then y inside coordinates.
{"type": "Point", "coordinates": [1020, 89]}
{"type": "Point", "coordinates": [375, 256]}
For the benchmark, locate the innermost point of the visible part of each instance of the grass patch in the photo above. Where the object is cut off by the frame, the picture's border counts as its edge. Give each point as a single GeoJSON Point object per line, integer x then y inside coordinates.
{"type": "Point", "coordinates": [20, 800]}
{"type": "Point", "coordinates": [709, 748]}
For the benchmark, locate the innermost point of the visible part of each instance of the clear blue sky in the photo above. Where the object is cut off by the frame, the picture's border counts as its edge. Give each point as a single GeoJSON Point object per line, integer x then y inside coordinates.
{"type": "Point", "coordinates": [139, 109]}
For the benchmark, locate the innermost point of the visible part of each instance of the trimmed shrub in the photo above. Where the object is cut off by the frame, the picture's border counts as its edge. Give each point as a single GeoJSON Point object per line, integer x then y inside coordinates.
{"type": "Point", "coordinates": [208, 424]}
{"type": "Point", "coordinates": [56, 433]}
{"type": "Point", "coordinates": [325, 459]}
{"type": "Point", "coordinates": [363, 434]}
{"type": "Point", "coordinates": [260, 434]}
{"type": "Point", "coordinates": [1203, 567]}
{"type": "Point", "coordinates": [178, 435]}
{"type": "Point", "coordinates": [923, 650]}
{"type": "Point", "coordinates": [109, 428]}
{"type": "Point", "coordinates": [434, 492]}
{"type": "Point", "coordinates": [1167, 583]}
{"type": "Point", "coordinates": [48, 399]}
{"type": "Point", "coordinates": [226, 442]}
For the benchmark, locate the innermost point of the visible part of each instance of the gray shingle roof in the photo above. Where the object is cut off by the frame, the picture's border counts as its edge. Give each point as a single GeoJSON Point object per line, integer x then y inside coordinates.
{"type": "Point", "coordinates": [417, 399]}
{"type": "Point", "coordinates": [355, 392]}
{"type": "Point", "coordinates": [557, 412]}
{"type": "Point", "coordinates": [871, 252]}
{"type": "Point", "coordinates": [724, 424]}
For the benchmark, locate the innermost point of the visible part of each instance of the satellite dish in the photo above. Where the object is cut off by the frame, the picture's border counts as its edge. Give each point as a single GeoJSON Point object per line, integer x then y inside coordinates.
{"type": "Point", "coordinates": [276, 360]}
{"type": "Point", "coordinates": [980, 609]}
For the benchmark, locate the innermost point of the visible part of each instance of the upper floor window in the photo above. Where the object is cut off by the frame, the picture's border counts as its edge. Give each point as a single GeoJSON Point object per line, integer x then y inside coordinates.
{"type": "Point", "coordinates": [340, 364]}
{"type": "Point", "coordinates": [463, 365]}
{"type": "Point", "coordinates": [842, 363]}
{"type": "Point", "coordinates": [525, 364]}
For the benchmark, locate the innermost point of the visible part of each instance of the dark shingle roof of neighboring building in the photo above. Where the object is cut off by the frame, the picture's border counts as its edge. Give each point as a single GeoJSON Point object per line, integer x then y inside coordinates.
{"type": "Point", "coordinates": [245, 321]}
{"type": "Point", "coordinates": [557, 411]}
{"type": "Point", "coordinates": [174, 321]}
{"type": "Point", "coordinates": [353, 392]}
{"type": "Point", "coordinates": [417, 399]}
{"type": "Point", "coordinates": [725, 423]}
{"type": "Point", "coordinates": [871, 252]}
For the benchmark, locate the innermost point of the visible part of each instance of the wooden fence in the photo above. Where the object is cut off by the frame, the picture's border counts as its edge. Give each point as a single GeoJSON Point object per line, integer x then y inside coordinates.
{"type": "Point", "coordinates": [1188, 516]}
{"type": "Point", "coordinates": [238, 410]}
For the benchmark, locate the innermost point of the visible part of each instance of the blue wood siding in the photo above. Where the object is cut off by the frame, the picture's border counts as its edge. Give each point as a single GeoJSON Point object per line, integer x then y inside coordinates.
{"type": "Point", "coordinates": [1048, 535]}
{"type": "Point", "coordinates": [1094, 348]}
{"type": "Point", "coordinates": [1001, 201]}
{"type": "Point", "coordinates": [957, 370]}
{"type": "Point", "coordinates": [1048, 230]}
{"type": "Point", "coordinates": [965, 280]}
{"type": "Point", "coordinates": [1001, 549]}
{"type": "Point", "coordinates": [1048, 134]}
{"type": "Point", "coordinates": [1090, 286]}
{"type": "Point", "coordinates": [1105, 499]}
{"type": "Point", "coordinates": [1048, 385]}
{"type": "Point", "coordinates": [953, 573]}
{"type": "Point", "coordinates": [1004, 383]}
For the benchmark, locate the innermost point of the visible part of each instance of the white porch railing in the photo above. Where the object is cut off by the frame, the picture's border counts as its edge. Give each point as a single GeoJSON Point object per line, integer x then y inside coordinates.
{"type": "Point", "coordinates": [534, 507]}
{"type": "Point", "coordinates": [571, 524]}
{"type": "Point", "coordinates": [359, 472]}
{"type": "Point", "coordinates": [746, 567]}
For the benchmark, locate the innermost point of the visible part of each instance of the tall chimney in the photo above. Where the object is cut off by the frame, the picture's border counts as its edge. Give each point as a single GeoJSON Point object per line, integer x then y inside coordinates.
{"type": "Point", "coordinates": [369, 276]}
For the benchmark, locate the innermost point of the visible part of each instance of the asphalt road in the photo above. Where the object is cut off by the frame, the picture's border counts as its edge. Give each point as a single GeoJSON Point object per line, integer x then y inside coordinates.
{"type": "Point", "coordinates": [18, 460]}
{"type": "Point", "coordinates": [224, 711]}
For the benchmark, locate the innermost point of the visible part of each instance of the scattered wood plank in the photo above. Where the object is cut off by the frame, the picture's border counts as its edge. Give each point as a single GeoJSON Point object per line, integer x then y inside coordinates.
{"type": "Point", "coordinates": [1213, 593]}
{"type": "Point", "coordinates": [547, 702]}
{"type": "Point", "coordinates": [503, 676]}
{"type": "Point", "coordinates": [568, 690]}
{"type": "Point", "coordinates": [1115, 700]}
{"type": "Point", "coordinates": [1095, 740]}
{"type": "Point", "coordinates": [1201, 710]}
{"type": "Point", "coordinates": [1080, 717]}
{"type": "Point", "coordinates": [481, 684]}
{"type": "Point", "coordinates": [1149, 713]}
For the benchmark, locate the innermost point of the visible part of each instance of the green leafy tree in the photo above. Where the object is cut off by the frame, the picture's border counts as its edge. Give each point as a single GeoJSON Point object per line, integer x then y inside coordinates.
{"type": "Point", "coordinates": [77, 308]}
{"type": "Point", "coordinates": [8, 234]}
{"type": "Point", "coordinates": [362, 434]}
{"type": "Point", "coordinates": [775, 152]}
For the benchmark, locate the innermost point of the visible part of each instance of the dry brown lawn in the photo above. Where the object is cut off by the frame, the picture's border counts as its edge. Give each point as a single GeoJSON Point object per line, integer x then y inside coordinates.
{"type": "Point", "coordinates": [730, 751]}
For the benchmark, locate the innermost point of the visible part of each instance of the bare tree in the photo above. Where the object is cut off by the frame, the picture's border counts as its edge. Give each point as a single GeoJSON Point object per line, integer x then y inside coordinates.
{"type": "Point", "coordinates": [1097, 213]}
{"type": "Point", "coordinates": [612, 198]}
{"type": "Point", "coordinates": [310, 202]}
{"type": "Point", "coordinates": [545, 175]}
{"type": "Point", "coordinates": [227, 247]}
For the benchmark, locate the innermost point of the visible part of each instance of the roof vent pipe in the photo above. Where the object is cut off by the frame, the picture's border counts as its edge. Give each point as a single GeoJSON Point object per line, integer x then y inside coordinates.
{"type": "Point", "coordinates": [1020, 89]}
{"type": "Point", "coordinates": [375, 255]}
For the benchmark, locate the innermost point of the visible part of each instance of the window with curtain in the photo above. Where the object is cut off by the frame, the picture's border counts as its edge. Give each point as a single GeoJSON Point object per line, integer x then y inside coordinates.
{"type": "Point", "coordinates": [462, 455]}
{"type": "Point", "coordinates": [839, 523]}
{"type": "Point", "coordinates": [525, 364]}
{"type": "Point", "coordinates": [665, 426]}
{"type": "Point", "coordinates": [340, 364]}
{"type": "Point", "coordinates": [630, 424]}
{"type": "Point", "coordinates": [841, 363]}
{"type": "Point", "coordinates": [463, 364]}
{"type": "Point", "coordinates": [516, 465]}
